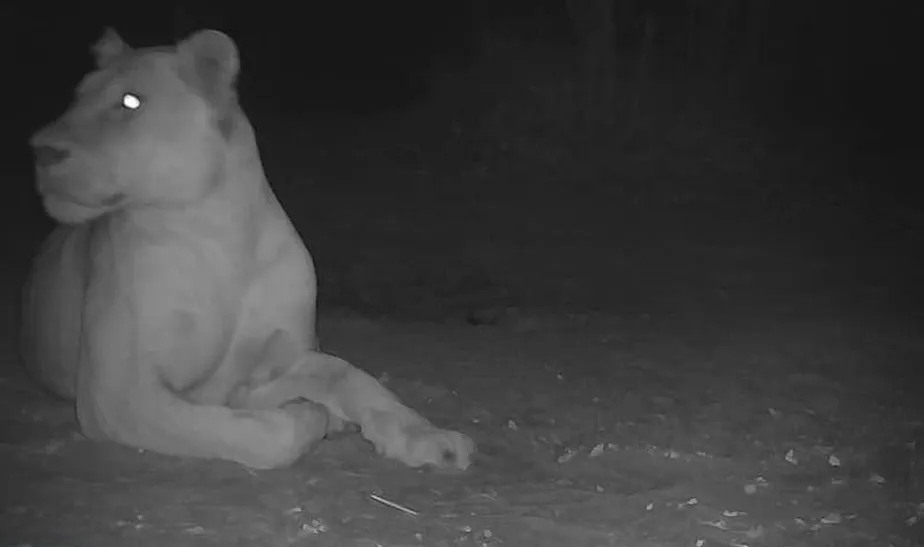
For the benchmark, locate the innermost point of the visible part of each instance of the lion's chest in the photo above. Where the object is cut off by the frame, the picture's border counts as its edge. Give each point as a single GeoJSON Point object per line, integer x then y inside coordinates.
{"type": "Point", "coordinates": [198, 333]}
{"type": "Point", "coordinates": [194, 305]}
{"type": "Point", "coordinates": [177, 305]}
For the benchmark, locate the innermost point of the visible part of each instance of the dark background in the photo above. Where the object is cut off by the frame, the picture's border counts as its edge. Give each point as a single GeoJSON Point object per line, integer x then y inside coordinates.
{"type": "Point", "coordinates": [452, 159]}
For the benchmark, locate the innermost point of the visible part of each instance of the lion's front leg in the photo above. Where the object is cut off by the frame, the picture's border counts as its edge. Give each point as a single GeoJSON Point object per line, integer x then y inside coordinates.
{"type": "Point", "coordinates": [158, 420]}
{"type": "Point", "coordinates": [353, 395]}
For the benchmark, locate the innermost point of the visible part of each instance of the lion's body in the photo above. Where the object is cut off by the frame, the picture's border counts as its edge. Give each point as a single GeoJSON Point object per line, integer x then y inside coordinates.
{"type": "Point", "coordinates": [176, 304]}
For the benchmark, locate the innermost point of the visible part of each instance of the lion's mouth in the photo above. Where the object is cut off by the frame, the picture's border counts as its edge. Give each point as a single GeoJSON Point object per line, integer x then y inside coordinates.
{"type": "Point", "coordinates": [103, 202]}
{"type": "Point", "coordinates": [68, 212]}
{"type": "Point", "coordinates": [64, 189]}
{"type": "Point", "coordinates": [67, 207]}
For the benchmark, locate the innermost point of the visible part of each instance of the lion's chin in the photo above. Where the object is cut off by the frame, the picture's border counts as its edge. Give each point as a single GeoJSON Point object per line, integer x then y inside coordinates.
{"type": "Point", "coordinates": [68, 212]}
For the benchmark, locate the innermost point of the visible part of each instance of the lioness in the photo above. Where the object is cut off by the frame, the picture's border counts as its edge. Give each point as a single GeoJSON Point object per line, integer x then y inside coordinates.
{"type": "Point", "coordinates": [176, 302]}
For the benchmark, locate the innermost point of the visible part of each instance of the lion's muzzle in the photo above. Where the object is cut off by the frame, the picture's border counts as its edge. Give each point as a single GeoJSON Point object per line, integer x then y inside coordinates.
{"type": "Point", "coordinates": [51, 159]}
{"type": "Point", "coordinates": [48, 156]}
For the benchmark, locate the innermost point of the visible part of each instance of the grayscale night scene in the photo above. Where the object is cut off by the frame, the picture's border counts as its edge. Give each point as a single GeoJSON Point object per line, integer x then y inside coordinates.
{"type": "Point", "coordinates": [506, 273]}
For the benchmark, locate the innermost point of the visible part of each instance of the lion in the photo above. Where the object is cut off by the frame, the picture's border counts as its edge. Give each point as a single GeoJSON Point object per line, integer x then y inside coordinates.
{"type": "Point", "coordinates": [175, 302]}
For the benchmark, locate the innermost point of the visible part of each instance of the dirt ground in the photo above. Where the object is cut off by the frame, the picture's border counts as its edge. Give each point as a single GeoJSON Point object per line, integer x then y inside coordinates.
{"type": "Point", "coordinates": [764, 412]}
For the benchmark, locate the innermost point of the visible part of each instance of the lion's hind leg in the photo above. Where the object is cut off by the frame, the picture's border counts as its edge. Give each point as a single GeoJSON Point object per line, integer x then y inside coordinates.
{"type": "Point", "coordinates": [354, 396]}
{"type": "Point", "coordinates": [52, 306]}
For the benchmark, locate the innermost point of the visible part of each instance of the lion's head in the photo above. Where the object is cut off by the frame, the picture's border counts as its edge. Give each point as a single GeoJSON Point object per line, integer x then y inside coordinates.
{"type": "Point", "coordinates": [149, 127]}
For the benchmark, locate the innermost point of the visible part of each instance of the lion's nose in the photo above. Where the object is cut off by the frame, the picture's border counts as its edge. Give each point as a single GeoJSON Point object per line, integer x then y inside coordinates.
{"type": "Point", "coordinates": [47, 155]}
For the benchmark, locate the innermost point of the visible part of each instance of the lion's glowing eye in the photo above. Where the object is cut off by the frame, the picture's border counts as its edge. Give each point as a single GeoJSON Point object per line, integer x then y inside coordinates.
{"type": "Point", "coordinates": [130, 101]}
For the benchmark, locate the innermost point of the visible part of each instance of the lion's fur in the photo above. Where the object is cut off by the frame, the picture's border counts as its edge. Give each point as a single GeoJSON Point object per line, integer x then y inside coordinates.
{"type": "Point", "coordinates": [176, 302]}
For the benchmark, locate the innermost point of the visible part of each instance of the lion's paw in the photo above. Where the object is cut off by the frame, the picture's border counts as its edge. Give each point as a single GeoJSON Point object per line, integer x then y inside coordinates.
{"type": "Point", "coordinates": [403, 435]}
{"type": "Point", "coordinates": [312, 422]}
{"type": "Point", "coordinates": [441, 448]}
{"type": "Point", "coordinates": [338, 427]}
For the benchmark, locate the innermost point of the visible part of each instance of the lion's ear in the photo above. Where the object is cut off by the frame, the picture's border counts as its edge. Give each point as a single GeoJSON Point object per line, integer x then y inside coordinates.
{"type": "Point", "coordinates": [209, 62]}
{"type": "Point", "coordinates": [109, 47]}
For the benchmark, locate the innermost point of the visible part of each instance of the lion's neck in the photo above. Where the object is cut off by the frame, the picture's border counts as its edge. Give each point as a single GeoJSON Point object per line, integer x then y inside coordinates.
{"type": "Point", "coordinates": [231, 217]}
